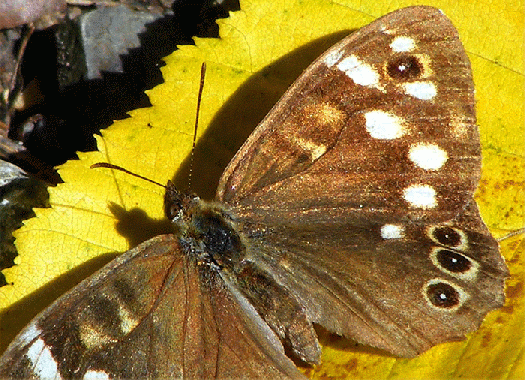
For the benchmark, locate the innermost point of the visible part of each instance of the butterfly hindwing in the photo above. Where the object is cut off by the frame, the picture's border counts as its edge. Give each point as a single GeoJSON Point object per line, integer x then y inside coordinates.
{"type": "Point", "coordinates": [385, 292]}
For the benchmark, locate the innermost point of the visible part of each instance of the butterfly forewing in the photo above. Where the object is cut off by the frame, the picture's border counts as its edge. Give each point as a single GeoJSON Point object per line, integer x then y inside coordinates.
{"type": "Point", "coordinates": [382, 123]}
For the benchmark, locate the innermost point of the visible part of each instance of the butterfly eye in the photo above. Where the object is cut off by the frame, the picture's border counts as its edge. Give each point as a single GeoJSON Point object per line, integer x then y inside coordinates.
{"type": "Point", "coordinates": [452, 261]}
{"type": "Point", "coordinates": [175, 212]}
{"type": "Point", "coordinates": [404, 67]}
{"type": "Point", "coordinates": [442, 295]}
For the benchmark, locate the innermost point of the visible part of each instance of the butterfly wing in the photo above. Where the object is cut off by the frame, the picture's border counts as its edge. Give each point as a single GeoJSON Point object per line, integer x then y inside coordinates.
{"type": "Point", "coordinates": [151, 313]}
{"type": "Point", "coordinates": [403, 295]}
{"type": "Point", "coordinates": [360, 128]}
{"type": "Point", "coordinates": [357, 189]}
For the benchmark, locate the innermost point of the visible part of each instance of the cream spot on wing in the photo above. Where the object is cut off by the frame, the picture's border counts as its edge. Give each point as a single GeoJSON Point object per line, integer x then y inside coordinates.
{"type": "Point", "coordinates": [333, 57]}
{"type": "Point", "coordinates": [127, 322]}
{"type": "Point", "coordinates": [96, 375]}
{"type": "Point", "coordinates": [92, 338]}
{"type": "Point", "coordinates": [360, 72]}
{"type": "Point", "coordinates": [329, 115]}
{"type": "Point", "coordinates": [44, 364]}
{"type": "Point", "coordinates": [420, 196]}
{"type": "Point", "coordinates": [325, 115]}
{"type": "Point", "coordinates": [427, 156]}
{"type": "Point", "coordinates": [402, 44]}
{"type": "Point", "coordinates": [421, 90]}
{"type": "Point", "coordinates": [384, 125]}
{"type": "Point", "coordinates": [461, 127]}
{"type": "Point", "coordinates": [426, 63]}
{"type": "Point", "coordinates": [316, 150]}
{"type": "Point", "coordinates": [392, 231]}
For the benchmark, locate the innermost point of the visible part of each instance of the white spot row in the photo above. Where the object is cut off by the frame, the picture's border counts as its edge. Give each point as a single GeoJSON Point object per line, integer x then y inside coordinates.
{"type": "Point", "coordinates": [332, 57]}
{"type": "Point", "coordinates": [365, 75]}
{"type": "Point", "coordinates": [96, 375]}
{"type": "Point", "coordinates": [392, 231]}
{"type": "Point", "coordinates": [387, 126]}
{"type": "Point", "coordinates": [360, 72]}
{"type": "Point", "coordinates": [44, 364]}
{"type": "Point", "coordinates": [420, 196]}
{"type": "Point", "coordinates": [428, 156]}
{"type": "Point", "coordinates": [402, 44]}
{"type": "Point", "coordinates": [384, 125]}
{"type": "Point", "coordinates": [29, 334]}
{"type": "Point", "coordinates": [424, 90]}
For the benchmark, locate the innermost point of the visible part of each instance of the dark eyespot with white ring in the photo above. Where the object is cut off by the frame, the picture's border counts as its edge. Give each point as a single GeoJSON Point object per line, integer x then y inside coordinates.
{"type": "Point", "coordinates": [443, 295]}
{"type": "Point", "coordinates": [447, 236]}
{"type": "Point", "coordinates": [453, 261]}
{"type": "Point", "coordinates": [404, 67]}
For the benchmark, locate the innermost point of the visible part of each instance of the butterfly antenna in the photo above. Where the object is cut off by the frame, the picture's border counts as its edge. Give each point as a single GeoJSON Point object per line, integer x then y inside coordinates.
{"type": "Point", "coordinates": [199, 97]}
{"type": "Point", "coordinates": [116, 167]}
{"type": "Point", "coordinates": [111, 166]}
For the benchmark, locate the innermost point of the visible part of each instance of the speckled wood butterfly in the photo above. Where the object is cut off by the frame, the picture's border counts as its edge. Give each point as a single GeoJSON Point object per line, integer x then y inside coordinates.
{"type": "Point", "coordinates": [350, 206]}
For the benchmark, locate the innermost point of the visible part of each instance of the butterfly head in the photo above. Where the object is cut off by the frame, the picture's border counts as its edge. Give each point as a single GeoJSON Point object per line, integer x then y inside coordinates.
{"type": "Point", "coordinates": [178, 206]}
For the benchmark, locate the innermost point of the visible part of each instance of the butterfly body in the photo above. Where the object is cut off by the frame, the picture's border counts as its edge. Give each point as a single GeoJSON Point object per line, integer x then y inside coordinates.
{"type": "Point", "coordinates": [350, 206]}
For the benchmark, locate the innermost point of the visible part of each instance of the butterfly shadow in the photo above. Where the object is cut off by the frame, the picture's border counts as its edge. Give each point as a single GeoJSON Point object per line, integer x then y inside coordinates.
{"type": "Point", "coordinates": [332, 340]}
{"type": "Point", "coordinates": [242, 112]}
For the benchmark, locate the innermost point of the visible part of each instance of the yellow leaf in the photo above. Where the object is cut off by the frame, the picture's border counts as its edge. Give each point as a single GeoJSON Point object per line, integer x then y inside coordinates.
{"type": "Point", "coordinates": [98, 213]}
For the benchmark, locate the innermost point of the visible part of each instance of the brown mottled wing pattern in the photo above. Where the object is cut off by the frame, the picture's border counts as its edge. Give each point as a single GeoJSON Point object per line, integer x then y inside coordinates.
{"type": "Point", "coordinates": [151, 313]}
{"type": "Point", "coordinates": [356, 191]}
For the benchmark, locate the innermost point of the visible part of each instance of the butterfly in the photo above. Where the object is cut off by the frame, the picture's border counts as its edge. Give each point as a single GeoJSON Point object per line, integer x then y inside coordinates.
{"type": "Point", "coordinates": [350, 206]}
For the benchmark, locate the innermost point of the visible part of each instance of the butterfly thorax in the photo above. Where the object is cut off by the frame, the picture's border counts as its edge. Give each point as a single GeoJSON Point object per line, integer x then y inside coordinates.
{"type": "Point", "coordinates": [208, 229]}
